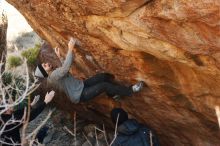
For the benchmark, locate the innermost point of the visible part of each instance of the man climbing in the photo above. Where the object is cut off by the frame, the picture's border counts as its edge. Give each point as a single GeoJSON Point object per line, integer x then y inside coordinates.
{"type": "Point", "coordinates": [130, 132]}
{"type": "Point", "coordinates": [78, 90]}
{"type": "Point", "coordinates": [11, 135]}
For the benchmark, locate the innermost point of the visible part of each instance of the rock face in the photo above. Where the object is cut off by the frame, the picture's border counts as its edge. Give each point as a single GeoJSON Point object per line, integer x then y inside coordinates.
{"type": "Point", "coordinates": [174, 46]}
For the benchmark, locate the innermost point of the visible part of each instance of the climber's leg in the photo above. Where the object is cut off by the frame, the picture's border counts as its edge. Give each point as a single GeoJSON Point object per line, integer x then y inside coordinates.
{"type": "Point", "coordinates": [98, 78]}
{"type": "Point", "coordinates": [135, 88]}
{"type": "Point", "coordinates": [109, 88]}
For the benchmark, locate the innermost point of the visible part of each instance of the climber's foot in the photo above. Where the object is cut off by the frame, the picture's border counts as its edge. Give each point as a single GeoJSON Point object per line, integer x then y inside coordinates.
{"type": "Point", "coordinates": [138, 86]}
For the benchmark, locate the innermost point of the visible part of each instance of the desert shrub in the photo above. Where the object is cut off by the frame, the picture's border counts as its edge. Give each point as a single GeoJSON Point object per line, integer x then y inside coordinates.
{"type": "Point", "coordinates": [14, 61]}
{"type": "Point", "coordinates": [31, 54]}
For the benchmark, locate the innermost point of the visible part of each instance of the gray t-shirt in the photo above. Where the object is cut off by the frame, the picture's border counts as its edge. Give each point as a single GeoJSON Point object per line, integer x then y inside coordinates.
{"type": "Point", "coordinates": [65, 81]}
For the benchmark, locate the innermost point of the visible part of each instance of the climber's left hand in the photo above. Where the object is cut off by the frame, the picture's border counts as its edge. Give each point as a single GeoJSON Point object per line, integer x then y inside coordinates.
{"type": "Point", "coordinates": [57, 51]}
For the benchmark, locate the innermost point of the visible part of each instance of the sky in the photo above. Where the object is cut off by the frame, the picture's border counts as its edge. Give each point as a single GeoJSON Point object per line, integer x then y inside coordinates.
{"type": "Point", "coordinates": [16, 22]}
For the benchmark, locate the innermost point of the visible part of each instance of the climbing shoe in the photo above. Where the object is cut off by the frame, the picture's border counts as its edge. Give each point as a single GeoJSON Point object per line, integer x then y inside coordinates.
{"type": "Point", "coordinates": [138, 86]}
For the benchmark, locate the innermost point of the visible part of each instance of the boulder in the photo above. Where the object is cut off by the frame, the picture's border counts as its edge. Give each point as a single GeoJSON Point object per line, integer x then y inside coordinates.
{"type": "Point", "coordinates": [174, 46]}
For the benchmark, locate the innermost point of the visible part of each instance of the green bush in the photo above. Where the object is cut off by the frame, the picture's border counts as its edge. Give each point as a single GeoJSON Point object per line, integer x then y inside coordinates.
{"type": "Point", "coordinates": [8, 79]}
{"type": "Point", "coordinates": [16, 82]}
{"type": "Point", "coordinates": [31, 54]}
{"type": "Point", "coordinates": [14, 61]}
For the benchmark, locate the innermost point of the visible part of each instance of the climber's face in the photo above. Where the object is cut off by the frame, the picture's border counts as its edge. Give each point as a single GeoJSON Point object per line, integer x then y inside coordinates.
{"type": "Point", "coordinates": [47, 67]}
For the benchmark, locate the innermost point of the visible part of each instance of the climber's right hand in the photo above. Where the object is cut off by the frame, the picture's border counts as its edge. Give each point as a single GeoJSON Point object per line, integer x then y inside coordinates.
{"type": "Point", "coordinates": [49, 96]}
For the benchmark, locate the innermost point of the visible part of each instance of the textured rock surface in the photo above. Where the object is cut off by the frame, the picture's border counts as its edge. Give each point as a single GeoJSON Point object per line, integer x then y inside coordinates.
{"type": "Point", "coordinates": [174, 46]}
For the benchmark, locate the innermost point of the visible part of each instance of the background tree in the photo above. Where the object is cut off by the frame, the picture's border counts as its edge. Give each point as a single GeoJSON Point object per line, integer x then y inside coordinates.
{"type": "Point", "coordinates": [3, 38]}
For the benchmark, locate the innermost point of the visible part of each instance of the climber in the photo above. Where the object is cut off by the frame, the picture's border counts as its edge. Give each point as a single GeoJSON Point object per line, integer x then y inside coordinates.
{"type": "Point", "coordinates": [130, 132]}
{"type": "Point", "coordinates": [10, 134]}
{"type": "Point", "coordinates": [78, 90]}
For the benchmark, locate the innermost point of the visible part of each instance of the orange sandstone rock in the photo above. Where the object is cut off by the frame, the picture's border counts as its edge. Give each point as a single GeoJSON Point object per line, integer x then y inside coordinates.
{"type": "Point", "coordinates": [174, 46]}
